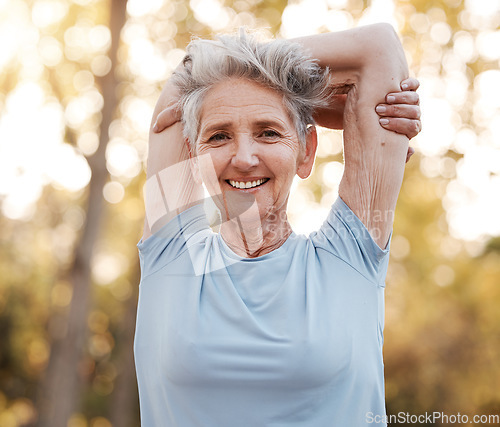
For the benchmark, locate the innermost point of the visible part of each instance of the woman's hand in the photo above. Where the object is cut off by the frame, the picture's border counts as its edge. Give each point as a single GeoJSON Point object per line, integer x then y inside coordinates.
{"type": "Point", "coordinates": [167, 117]}
{"type": "Point", "coordinates": [401, 114]}
{"type": "Point", "coordinates": [166, 112]}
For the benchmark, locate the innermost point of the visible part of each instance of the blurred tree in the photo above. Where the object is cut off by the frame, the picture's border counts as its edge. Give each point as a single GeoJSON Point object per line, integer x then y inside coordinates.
{"type": "Point", "coordinates": [442, 321]}
{"type": "Point", "coordinates": [124, 402]}
{"type": "Point", "coordinates": [59, 391]}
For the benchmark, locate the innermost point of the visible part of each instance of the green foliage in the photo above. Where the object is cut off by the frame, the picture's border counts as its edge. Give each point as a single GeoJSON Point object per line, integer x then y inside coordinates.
{"type": "Point", "coordinates": [442, 330]}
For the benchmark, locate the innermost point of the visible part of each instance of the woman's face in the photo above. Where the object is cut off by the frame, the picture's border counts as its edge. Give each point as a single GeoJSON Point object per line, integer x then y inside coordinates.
{"type": "Point", "coordinates": [247, 149]}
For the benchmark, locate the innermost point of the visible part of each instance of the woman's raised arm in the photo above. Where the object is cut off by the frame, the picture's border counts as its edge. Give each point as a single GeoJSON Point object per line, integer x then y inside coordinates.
{"type": "Point", "coordinates": [170, 186]}
{"type": "Point", "coordinates": [368, 62]}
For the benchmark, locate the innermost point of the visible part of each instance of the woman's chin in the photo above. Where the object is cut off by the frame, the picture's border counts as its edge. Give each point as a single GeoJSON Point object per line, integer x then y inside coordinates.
{"type": "Point", "coordinates": [241, 209]}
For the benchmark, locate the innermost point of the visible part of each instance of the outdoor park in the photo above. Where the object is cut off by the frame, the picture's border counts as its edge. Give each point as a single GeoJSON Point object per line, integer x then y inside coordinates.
{"type": "Point", "coordinates": [78, 83]}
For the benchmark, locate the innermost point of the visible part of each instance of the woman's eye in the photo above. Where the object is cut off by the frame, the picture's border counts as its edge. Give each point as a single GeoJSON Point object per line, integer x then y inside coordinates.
{"type": "Point", "coordinates": [270, 134]}
{"type": "Point", "coordinates": [218, 137]}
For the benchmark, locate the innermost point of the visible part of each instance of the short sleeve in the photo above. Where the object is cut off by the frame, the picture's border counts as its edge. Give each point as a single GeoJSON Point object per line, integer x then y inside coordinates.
{"type": "Point", "coordinates": [188, 228]}
{"type": "Point", "coordinates": [346, 237]}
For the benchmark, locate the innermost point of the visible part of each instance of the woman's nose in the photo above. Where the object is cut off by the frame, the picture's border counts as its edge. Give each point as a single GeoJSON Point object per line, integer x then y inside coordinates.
{"type": "Point", "coordinates": [245, 156]}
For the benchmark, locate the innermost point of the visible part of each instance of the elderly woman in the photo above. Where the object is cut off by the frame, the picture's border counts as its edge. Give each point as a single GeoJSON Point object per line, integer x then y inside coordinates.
{"type": "Point", "coordinates": [255, 325]}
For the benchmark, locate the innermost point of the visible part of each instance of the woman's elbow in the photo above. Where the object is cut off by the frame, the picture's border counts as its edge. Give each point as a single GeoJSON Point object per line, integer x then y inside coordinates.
{"type": "Point", "coordinates": [382, 33]}
{"type": "Point", "coordinates": [384, 49]}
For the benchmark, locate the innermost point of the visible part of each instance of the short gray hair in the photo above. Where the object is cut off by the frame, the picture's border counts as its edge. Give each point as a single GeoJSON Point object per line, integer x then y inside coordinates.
{"type": "Point", "coordinates": [278, 64]}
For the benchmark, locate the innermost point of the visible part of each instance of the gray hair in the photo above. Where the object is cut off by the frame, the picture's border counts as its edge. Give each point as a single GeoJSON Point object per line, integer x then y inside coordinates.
{"type": "Point", "coordinates": [278, 64]}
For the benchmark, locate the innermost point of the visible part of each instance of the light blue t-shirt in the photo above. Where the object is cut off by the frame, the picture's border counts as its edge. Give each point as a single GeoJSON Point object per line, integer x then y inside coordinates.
{"type": "Point", "coordinates": [291, 338]}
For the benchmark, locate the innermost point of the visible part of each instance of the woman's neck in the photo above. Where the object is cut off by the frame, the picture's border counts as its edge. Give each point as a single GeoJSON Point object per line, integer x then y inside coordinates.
{"type": "Point", "coordinates": [251, 239]}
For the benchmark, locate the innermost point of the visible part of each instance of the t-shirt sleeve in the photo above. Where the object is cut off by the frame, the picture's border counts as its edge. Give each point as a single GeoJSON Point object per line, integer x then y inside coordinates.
{"type": "Point", "coordinates": [165, 245]}
{"type": "Point", "coordinates": [346, 237]}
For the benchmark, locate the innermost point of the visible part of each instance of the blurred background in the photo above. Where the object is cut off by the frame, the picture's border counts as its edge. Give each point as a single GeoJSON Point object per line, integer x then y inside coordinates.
{"type": "Point", "coordinates": [78, 83]}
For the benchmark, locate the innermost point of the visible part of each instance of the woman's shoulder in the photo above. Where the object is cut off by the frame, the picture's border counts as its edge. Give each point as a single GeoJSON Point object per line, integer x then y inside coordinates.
{"type": "Point", "coordinates": [344, 236]}
{"type": "Point", "coordinates": [179, 236]}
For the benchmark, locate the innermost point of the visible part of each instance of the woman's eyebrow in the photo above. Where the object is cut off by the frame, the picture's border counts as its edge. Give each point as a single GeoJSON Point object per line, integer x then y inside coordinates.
{"type": "Point", "coordinates": [216, 126]}
{"type": "Point", "coordinates": [270, 123]}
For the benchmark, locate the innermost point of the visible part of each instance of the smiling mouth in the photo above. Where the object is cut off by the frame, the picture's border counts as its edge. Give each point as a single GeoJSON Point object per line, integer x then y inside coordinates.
{"type": "Point", "coordinates": [246, 184]}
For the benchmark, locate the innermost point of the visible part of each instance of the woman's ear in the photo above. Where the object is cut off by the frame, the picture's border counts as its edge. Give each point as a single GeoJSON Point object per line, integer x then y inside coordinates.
{"type": "Point", "coordinates": [306, 160]}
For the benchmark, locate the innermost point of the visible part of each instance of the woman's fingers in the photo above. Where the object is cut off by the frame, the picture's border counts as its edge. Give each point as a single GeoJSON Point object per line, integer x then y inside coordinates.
{"type": "Point", "coordinates": [400, 118]}
{"type": "Point", "coordinates": [166, 118]}
{"type": "Point", "coordinates": [402, 111]}
{"type": "Point", "coordinates": [410, 153]}
{"type": "Point", "coordinates": [410, 84]}
{"type": "Point", "coordinates": [406, 97]}
{"type": "Point", "coordinates": [408, 127]}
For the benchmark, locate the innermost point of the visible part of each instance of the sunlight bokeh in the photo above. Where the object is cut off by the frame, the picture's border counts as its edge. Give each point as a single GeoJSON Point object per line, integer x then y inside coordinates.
{"type": "Point", "coordinates": [67, 92]}
{"type": "Point", "coordinates": [42, 155]}
{"type": "Point", "coordinates": [473, 197]}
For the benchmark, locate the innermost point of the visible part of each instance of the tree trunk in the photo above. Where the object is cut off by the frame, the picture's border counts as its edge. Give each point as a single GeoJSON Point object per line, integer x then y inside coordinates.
{"type": "Point", "coordinates": [124, 404]}
{"type": "Point", "coordinates": [61, 387]}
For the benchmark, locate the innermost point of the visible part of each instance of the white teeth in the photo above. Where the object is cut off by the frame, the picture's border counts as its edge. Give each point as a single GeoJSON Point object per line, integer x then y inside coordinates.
{"type": "Point", "coordinates": [247, 184]}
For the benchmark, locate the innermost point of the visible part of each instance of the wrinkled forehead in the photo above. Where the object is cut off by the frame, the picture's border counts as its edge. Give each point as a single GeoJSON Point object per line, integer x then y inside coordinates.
{"type": "Point", "coordinates": [241, 100]}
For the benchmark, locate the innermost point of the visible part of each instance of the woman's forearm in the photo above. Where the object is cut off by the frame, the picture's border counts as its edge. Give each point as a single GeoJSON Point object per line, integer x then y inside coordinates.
{"type": "Point", "coordinates": [349, 53]}
{"type": "Point", "coordinates": [168, 162]}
